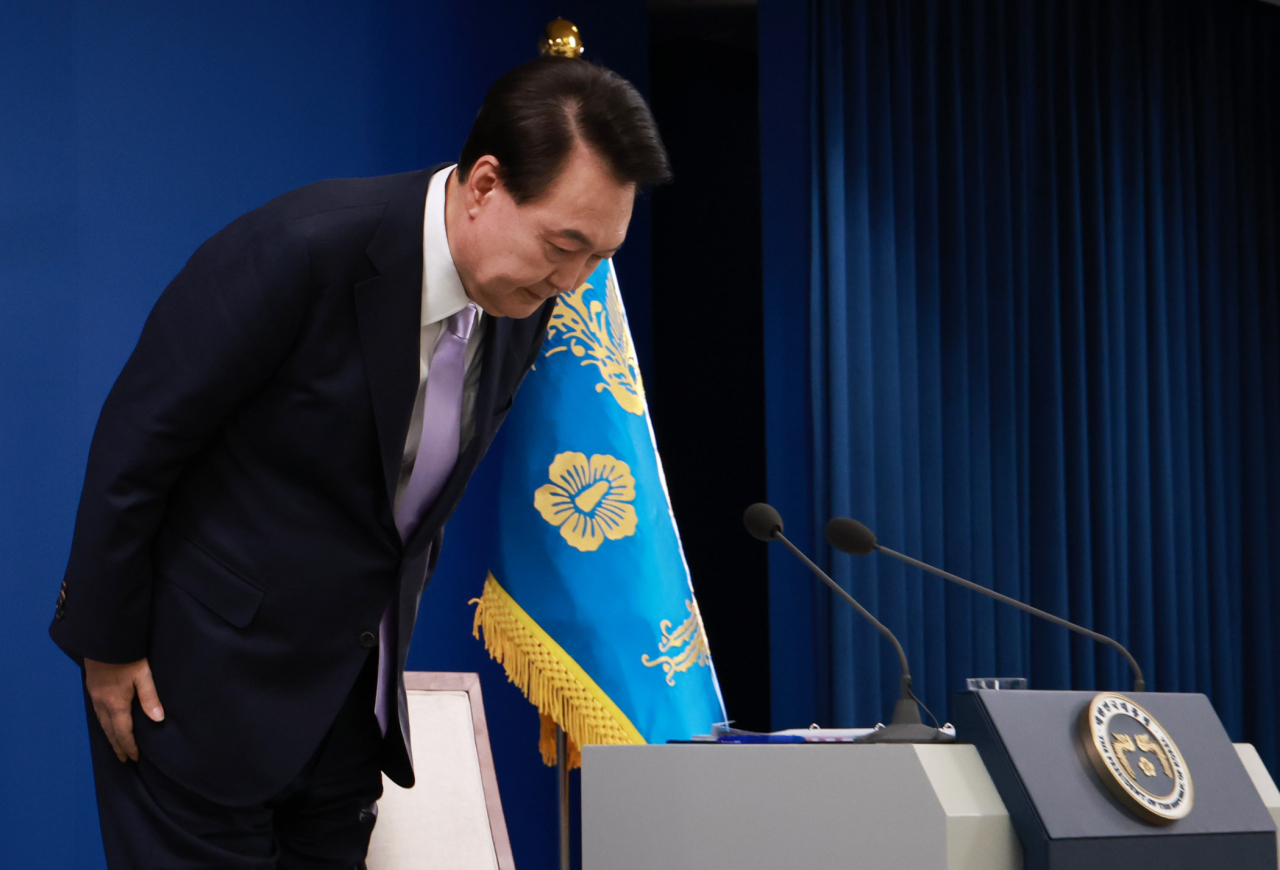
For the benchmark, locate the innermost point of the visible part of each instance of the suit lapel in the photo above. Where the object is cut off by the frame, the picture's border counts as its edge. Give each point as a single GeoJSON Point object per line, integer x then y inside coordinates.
{"type": "Point", "coordinates": [389, 314]}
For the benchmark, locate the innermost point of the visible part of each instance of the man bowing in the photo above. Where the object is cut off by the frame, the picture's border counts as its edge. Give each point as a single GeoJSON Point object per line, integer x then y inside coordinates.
{"type": "Point", "coordinates": [271, 473]}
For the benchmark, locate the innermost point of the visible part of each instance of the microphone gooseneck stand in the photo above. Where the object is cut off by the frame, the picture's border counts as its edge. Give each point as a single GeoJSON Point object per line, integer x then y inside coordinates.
{"type": "Point", "coordinates": [851, 536]}
{"type": "Point", "coordinates": [765, 524]}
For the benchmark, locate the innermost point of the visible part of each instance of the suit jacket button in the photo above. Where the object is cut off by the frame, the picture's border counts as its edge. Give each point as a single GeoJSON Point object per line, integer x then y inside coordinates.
{"type": "Point", "coordinates": [368, 639]}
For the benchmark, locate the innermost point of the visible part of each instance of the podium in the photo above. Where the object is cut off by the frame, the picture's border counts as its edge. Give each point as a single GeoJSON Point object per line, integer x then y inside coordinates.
{"type": "Point", "coordinates": [1022, 796]}
{"type": "Point", "coordinates": [1066, 815]}
{"type": "Point", "coordinates": [818, 806]}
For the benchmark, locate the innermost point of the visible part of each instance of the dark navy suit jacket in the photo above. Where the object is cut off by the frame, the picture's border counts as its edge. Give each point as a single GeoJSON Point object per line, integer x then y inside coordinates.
{"type": "Point", "coordinates": [235, 525]}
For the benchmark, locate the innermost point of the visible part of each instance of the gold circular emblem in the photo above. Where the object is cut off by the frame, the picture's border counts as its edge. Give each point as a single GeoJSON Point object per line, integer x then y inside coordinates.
{"type": "Point", "coordinates": [1136, 759]}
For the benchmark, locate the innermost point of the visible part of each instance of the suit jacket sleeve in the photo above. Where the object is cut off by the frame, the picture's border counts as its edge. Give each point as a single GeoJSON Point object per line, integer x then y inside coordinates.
{"type": "Point", "coordinates": [217, 333]}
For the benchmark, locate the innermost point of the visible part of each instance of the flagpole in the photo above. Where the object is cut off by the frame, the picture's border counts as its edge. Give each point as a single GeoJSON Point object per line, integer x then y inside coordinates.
{"type": "Point", "coordinates": [562, 780]}
{"type": "Point", "coordinates": [561, 38]}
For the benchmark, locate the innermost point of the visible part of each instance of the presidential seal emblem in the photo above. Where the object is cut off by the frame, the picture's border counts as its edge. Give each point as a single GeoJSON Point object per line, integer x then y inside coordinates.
{"type": "Point", "coordinates": [1136, 759]}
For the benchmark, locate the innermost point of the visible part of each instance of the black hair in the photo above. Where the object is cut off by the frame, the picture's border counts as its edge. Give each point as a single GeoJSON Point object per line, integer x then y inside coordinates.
{"type": "Point", "coordinates": [533, 115]}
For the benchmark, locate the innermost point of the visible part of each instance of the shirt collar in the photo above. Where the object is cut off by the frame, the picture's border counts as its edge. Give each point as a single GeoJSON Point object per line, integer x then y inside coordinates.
{"type": "Point", "coordinates": [442, 290]}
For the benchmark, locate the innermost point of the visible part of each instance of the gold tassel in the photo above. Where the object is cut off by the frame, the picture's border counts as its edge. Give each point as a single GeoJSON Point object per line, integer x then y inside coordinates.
{"type": "Point", "coordinates": [547, 745]}
{"type": "Point", "coordinates": [549, 677]}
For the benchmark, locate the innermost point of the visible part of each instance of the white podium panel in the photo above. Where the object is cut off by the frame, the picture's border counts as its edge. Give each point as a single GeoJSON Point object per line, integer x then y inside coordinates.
{"type": "Point", "coordinates": [1265, 785]}
{"type": "Point", "coordinates": [762, 807]}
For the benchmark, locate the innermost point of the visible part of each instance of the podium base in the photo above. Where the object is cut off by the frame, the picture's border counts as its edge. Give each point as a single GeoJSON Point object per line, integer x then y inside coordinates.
{"type": "Point", "coordinates": [906, 726]}
{"type": "Point", "coordinates": [906, 733]}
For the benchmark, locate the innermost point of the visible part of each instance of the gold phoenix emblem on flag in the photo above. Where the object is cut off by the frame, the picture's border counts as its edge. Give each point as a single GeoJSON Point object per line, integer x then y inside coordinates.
{"type": "Point", "coordinates": [690, 636]}
{"type": "Point", "coordinates": [589, 499]}
{"type": "Point", "coordinates": [596, 333]}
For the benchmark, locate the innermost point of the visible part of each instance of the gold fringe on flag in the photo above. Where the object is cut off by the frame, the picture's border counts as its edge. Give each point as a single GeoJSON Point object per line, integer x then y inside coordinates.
{"type": "Point", "coordinates": [549, 677]}
{"type": "Point", "coordinates": [547, 745]}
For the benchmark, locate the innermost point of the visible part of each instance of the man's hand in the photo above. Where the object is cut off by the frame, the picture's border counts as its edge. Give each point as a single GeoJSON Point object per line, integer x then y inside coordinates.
{"type": "Point", "coordinates": [112, 689]}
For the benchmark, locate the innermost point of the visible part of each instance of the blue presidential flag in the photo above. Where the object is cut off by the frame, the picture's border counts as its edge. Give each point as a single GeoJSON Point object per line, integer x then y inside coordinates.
{"type": "Point", "coordinates": [588, 604]}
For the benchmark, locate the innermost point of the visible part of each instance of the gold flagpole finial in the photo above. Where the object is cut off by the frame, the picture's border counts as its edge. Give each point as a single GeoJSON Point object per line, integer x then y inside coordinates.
{"type": "Point", "coordinates": [560, 38]}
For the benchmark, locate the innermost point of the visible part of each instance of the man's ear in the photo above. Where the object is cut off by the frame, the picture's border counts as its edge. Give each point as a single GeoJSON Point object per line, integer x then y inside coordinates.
{"type": "Point", "coordinates": [482, 183]}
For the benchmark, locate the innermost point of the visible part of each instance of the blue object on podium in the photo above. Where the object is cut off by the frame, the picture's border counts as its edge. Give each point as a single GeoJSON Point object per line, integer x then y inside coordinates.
{"type": "Point", "coordinates": [1065, 816]}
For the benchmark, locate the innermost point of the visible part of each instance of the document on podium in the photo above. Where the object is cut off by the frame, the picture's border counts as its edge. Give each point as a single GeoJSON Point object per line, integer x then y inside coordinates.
{"type": "Point", "coordinates": [721, 732]}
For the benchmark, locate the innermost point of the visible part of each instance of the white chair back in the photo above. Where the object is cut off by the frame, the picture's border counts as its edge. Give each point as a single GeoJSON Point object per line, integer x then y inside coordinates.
{"type": "Point", "coordinates": [452, 818]}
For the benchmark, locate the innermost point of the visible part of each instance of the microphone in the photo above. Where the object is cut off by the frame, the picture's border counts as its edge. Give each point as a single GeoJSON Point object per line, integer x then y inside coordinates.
{"type": "Point", "coordinates": [765, 524]}
{"type": "Point", "coordinates": [851, 536]}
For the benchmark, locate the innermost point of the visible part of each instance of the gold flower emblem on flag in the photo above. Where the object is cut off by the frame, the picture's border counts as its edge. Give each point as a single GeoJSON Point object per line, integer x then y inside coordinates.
{"type": "Point", "coordinates": [589, 499]}
{"type": "Point", "coordinates": [597, 334]}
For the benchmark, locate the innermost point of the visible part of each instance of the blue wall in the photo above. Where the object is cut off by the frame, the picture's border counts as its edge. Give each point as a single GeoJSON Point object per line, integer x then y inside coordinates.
{"type": "Point", "coordinates": [130, 132]}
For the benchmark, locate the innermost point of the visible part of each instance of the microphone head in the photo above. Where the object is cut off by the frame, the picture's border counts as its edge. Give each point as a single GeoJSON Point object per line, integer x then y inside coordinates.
{"type": "Point", "coordinates": [850, 536]}
{"type": "Point", "coordinates": [762, 521]}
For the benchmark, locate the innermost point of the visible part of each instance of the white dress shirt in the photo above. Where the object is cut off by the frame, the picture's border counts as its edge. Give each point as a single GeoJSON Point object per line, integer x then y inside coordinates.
{"type": "Point", "coordinates": [442, 297]}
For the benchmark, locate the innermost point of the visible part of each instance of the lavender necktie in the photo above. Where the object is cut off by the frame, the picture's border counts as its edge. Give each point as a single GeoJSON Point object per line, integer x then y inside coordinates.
{"type": "Point", "coordinates": [437, 455]}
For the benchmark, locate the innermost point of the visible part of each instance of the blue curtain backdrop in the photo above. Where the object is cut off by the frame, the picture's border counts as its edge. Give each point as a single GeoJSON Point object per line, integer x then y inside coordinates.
{"type": "Point", "coordinates": [1021, 279]}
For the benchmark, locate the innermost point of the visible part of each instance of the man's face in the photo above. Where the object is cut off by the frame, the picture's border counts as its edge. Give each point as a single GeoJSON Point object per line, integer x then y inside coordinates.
{"type": "Point", "coordinates": [512, 258]}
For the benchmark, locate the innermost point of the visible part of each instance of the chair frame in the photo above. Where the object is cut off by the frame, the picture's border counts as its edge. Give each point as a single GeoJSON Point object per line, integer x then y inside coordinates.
{"type": "Point", "coordinates": [445, 681]}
